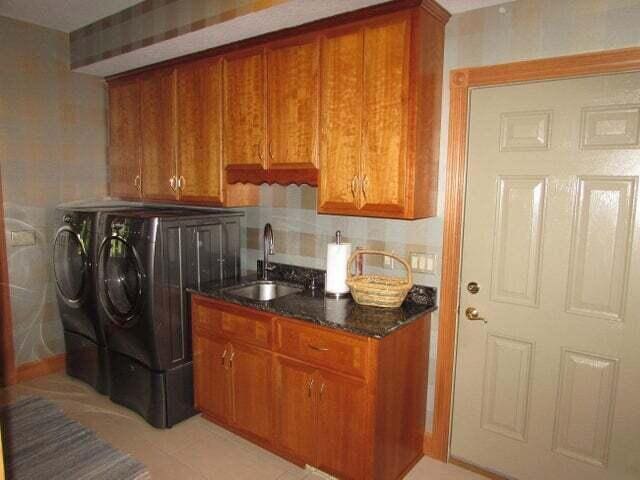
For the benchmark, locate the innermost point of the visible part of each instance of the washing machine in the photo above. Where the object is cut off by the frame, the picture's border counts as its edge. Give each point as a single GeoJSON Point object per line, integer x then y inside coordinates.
{"type": "Point", "coordinates": [145, 262]}
{"type": "Point", "coordinates": [74, 250]}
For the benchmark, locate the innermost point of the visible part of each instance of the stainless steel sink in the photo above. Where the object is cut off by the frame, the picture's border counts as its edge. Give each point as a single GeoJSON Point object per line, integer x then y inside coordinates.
{"type": "Point", "coordinates": [263, 290]}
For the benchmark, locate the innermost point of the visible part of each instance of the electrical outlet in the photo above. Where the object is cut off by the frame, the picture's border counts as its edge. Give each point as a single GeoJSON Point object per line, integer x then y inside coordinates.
{"type": "Point", "coordinates": [423, 262]}
{"type": "Point", "coordinates": [23, 238]}
{"type": "Point", "coordinates": [430, 263]}
{"type": "Point", "coordinates": [416, 260]}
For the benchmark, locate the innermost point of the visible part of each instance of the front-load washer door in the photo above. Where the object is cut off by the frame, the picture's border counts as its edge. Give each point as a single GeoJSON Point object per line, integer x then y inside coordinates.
{"type": "Point", "coordinates": [70, 266]}
{"type": "Point", "coordinates": [120, 281]}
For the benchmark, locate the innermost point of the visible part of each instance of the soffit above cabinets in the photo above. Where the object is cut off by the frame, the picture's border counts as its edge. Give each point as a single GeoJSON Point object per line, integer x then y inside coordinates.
{"type": "Point", "coordinates": [107, 38]}
{"type": "Point", "coordinates": [63, 15]}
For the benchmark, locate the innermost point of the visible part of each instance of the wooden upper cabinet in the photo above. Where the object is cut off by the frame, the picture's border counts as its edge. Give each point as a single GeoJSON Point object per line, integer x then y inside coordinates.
{"type": "Point", "coordinates": [353, 107]}
{"type": "Point", "coordinates": [124, 139]}
{"type": "Point", "coordinates": [396, 112]}
{"type": "Point", "coordinates": [244, 119]}
{"type": "Point", "coordinates": [199, 124]}
{"type": "Point", "coordinates": [341, 121]}
{"type": "Point", "coordinates": [158, 94]}
{"type": "Point", "coordinates": [385, 101]}
{"type": "Point", "coordinates": [293, 97]}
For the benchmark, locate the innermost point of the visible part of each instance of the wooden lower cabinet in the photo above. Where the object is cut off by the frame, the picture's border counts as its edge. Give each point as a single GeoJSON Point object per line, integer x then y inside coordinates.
{"type": "Point", "coordinates": [295, 409]}
{"type": "Point", "coordinates": [342, 425]}
{"type": "Point", "coordinates": [251, 408]}
{"type": "Point", "coordinates": [210, 376]}
{"type": "Point", "coordinates": [349, 405]}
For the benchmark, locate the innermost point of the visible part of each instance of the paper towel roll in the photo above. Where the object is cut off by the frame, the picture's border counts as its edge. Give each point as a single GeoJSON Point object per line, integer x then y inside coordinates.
{"type": "Point", "coordinates": [337, 256]}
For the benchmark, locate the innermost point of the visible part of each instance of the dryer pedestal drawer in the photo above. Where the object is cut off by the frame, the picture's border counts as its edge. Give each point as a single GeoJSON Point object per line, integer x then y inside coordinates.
{"type": "Point", "coordinates": [162, 398]}
{"type": "Point", "coordinates": [87, 361]}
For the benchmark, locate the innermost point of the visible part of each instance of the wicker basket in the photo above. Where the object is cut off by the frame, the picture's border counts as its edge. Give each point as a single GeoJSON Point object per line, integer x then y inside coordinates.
{"type": "Point", "coordinates": [378, 290]}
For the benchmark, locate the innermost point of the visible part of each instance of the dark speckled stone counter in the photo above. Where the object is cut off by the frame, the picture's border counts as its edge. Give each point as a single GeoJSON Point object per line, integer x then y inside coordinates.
{"type": "Point", "coordinates": [314, 307]}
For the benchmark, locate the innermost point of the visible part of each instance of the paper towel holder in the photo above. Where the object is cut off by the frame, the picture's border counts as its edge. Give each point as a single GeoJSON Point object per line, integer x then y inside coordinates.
{"type": "Point", "coordinates": [332, 294]}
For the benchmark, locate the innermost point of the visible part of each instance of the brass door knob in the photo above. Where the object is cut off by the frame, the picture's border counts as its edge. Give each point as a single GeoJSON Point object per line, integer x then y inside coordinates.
{"type": "Point", "coordinates": [473, 314]}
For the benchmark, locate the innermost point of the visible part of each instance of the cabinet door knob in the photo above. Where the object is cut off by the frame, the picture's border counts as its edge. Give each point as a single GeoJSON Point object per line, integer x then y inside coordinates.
{"type": "Point", "coordinates": [181, 182]}
{"type": "Point", "coordinates": [224, 354]}
{"type": "Point", "coordinates": [233, 354]}
{"type": "Point", "coordinates": [321, 390]}
{"type": "Point", "coordinates": [138, 182]}
{"type": "Point", "coordinates": [310, 386]}
{"type": "Point", "coordinates": [270, 150]}
{"type": "Point", "coordinates": [354, 186]}
{"type": "Point", "coordinates": [260, 157]}
{"type": "Point", "coordinates": [172, 183]}
{"type": "Point", "coordinates": [319, 349]}
{"type": "Point", "coordinates": [364, 183]}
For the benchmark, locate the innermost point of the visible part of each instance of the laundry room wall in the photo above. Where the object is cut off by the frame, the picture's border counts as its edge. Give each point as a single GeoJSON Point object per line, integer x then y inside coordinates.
{"type": "Point", "coordinates": [52, 150]}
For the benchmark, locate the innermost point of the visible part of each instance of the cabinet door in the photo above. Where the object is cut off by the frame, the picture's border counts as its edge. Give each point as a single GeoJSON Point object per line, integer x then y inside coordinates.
{"type": "Point", "coordinates": [295, 409]}
{"type": "Point", "coordinates": [158, 135]}
{"type": "Point", "coordinates": [244, 111]}
{"type": "Point", "coordinates": [293, 105]}
{"type": "Point", "coordinates": [342, 445]}
{"type": "Point", "coordinates": [210, 376]}
{"type": "Point", "coordinates": [251, 390]}
{"type": "Point", "coordinates": [208, 261]}
{"type": "Point", "coordinates": [231, 249]}
{"type": "Point", "coordinates": [386, 83]}
{"type": "Point", "coordinates": [340, 122]}
{"type": "Point", "coordinates": [199, 123]}
{"type": "Point", "coordinates": [124, 139]}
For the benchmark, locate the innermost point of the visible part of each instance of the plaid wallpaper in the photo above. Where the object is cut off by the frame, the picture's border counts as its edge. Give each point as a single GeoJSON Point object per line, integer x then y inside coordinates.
{"type": "Point", "coordinates": [301, 235]}
{"type": "Point", "coordinates": [151, 22]}
{"type": "Point", "coordinates": [52, 150]}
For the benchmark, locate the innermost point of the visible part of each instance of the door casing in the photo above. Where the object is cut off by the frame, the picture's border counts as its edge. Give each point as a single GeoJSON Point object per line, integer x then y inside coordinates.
{"type": "Point", "coordinates": [462, 81]}
{"type": "Point", "coordinates": [8, 367]}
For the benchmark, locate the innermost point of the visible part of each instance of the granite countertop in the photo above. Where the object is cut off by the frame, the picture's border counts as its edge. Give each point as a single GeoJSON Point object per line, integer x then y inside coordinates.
{"type": "Point", "coordinates": [312, 305]}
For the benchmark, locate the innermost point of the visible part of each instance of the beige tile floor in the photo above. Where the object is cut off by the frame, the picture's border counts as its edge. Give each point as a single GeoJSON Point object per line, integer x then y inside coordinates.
{"type": "Point", "coordinates": [192, 450]}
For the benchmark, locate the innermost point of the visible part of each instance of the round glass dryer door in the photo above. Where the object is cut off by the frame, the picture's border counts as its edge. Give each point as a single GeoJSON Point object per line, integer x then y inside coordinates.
{"type": "Point", "coordinates": [69, 265]}
{"type": "Point", "coordinates": [121, 281]}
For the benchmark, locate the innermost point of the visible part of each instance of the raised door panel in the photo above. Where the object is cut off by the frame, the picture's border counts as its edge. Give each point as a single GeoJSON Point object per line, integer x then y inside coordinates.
{"type": "Point", "coordinates": [295, 409]}
{"type": "Point", "coordinates": [385, 114]}
{"type": "Point", "coordinates": [251, 390]}
{"type": "Point", "coordinates": [124, 139]}
{"type": "Point", "coordinates": [210, 375]}
{"type": "Point", "coordinates": [292, 72]}
{"type": "Point", "coordinates": [158, 135]}
{"type": "Point", "coordinates": [244, 118]}
{"type": "Point", "coordinates": [340, 121]}
{"type": "Point", "coordinates": [342, 441]}
{"type": "Point", "coordinates": [199, 123]}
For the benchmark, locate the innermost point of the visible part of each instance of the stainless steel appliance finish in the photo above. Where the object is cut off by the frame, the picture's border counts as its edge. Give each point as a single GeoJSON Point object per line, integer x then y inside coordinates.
{"type": "Point", "coordinates": [267, 244]}
{"type": "Point", "coordinates": [264, 291]}
{"type": "Point", "coordinates": [73, 261]}
{"type": "Point", "coordinates": [146, 260]}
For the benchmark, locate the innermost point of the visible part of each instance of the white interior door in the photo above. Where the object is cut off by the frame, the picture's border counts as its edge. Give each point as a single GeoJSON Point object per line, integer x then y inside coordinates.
{"type": "Point", "coordinates": [549, 386]}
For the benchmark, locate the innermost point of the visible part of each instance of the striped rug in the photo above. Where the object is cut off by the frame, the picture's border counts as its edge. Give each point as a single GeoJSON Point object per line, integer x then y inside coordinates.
{"type": "Point", "coordinates": [40, 442]}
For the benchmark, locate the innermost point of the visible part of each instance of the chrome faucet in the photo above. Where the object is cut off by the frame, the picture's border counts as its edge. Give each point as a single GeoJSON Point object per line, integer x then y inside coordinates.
{"type": "Point", "coordinates": [267, 239]}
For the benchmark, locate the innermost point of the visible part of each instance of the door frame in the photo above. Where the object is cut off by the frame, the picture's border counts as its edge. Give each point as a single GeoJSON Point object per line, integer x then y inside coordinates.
{"type": "Point", "coordinates": [8, 375]}
{"type": "Point", "coordinates": [462, 81]}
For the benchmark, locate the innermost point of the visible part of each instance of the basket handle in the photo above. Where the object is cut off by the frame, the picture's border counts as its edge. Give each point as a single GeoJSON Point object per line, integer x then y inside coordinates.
{"type": "Point", "coordinates": [404, 263]}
